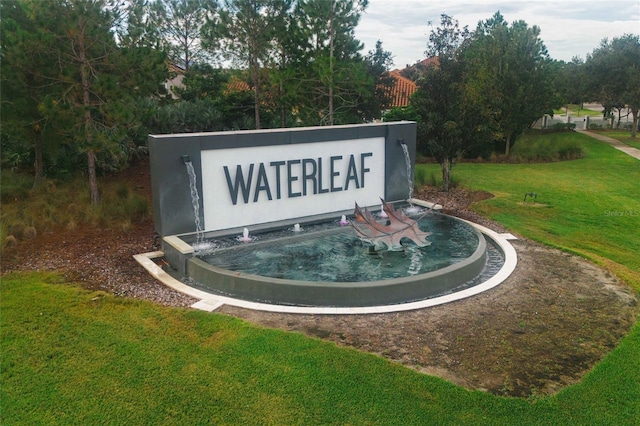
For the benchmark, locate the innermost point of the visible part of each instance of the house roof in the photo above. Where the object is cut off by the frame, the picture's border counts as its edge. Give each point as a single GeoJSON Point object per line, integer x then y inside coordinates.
{"type": "Point", "coordinates": [401, 90]}
{"type": "Point", "coordinates": [175, 68]}
{"type": "Point", "coordinates": [400, 93]}
{"type": "Point", "coordinates": [404, 87]}
{"type": "Point", "coordinates": [235, 84]}
{"type": "Point", "coordinates": [434, 60]}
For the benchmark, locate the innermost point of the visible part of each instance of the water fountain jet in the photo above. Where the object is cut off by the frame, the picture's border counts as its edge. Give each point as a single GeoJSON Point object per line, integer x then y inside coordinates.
{"type": "Point", "coordinates": [245, 237]}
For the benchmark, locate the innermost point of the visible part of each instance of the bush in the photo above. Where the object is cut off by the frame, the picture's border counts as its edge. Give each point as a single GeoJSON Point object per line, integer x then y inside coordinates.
{"type": "Point", "coordinates": [563, 126]}
{"type": "Point", "coordinates": [420, 177]}
{"type": "Point", "coordinates": [530, 149]}
{"type": "Point", "coordinates": [27, 211]}
{"type": "Point", "coordinates": [15, 186]}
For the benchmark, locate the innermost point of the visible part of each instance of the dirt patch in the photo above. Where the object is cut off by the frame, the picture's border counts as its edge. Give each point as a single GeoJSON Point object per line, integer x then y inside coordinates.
{"type": "Point", "coordinates": [100, 259]}
{"type": "Point", "coordinates": [539, 331]}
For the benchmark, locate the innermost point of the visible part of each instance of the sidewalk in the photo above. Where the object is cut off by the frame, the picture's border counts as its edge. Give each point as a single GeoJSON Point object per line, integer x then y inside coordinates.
{"type": "Point", "coordinates": [629, 150]}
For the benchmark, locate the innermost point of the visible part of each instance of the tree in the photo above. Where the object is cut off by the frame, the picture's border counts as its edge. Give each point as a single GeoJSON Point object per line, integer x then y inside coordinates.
{"type": "Point", "coordinates": [336, 73]}
{"type": "Point", "coordinates": [244, 32]}
{"type": "Point", "coordinates": [178, 25]}
{"type": "Point", "coordinates": [569, 82]}
{"type": "Point", "coordinates": [379, 62]}
{"type": "Point", "coordinates": [511, 65]}
{"type": "Point", "coordinates": [613, 70]}
{"type": "Point", "coordinates": [88, 81]}
{"type": "Point", "coordinates": [286, 57]}
{"type": "Point", "coordinates": [202, 81]}
{"type": "Point", "coordinates": [24, 64]}
{"type": "Point", "coordinates": [450, 120]}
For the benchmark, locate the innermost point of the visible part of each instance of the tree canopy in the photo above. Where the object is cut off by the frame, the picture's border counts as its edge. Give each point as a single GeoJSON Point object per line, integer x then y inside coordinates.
{"type": "Point", "coordinates": [511, 68]}
{"type": "Point", "coordinates": [450, 120]}
{"type": "Point", "coordinates": [613, 71]}
{"type": "Point", "coordinates": [83, 81]}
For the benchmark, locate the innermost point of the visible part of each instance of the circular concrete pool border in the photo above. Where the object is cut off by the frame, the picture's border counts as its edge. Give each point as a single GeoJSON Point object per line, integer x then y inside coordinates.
{"type": "Point", "coordinates": [210, 302]}
{"type": "Point", "coordinates": [296, 292]}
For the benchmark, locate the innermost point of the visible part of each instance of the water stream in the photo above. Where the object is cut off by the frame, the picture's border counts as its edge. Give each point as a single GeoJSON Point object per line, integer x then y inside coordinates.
{"type": "Point", "coordinates": [195, 201]}
{"type": "Point", "coordinates": [407, 159]}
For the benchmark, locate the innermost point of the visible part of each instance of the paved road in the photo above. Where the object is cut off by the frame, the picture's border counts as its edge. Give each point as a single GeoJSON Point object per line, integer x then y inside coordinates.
{"type": "Point", "coordinates": [629, 150]}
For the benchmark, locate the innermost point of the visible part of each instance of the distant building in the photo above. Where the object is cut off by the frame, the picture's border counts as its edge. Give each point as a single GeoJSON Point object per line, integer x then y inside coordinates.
{"type": "Point", "coordinates": [177, 74]}
{"type": "Point", "coordinates": [405, 82]}
{"type": "Point", "coordinates": [401, 91]}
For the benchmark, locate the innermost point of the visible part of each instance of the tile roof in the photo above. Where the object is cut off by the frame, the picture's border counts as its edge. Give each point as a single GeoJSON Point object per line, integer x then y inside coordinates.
{"type": "Point", "coordinates": [434, 60]}
{"type": "Point", "coordinates": [401, 90]}
{"type": "Point", "coordinates": [400, 93]}
{"type": "Point", "coordinates": [235, 85]}
{"type": "Point", "coordinates": [175, 68]}
{"type": "Point", "coordinates": [404, 87]}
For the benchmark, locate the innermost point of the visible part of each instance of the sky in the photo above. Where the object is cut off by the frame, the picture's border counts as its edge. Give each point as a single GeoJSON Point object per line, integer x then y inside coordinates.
{"type": "Point", "coordinates": [569, 28]}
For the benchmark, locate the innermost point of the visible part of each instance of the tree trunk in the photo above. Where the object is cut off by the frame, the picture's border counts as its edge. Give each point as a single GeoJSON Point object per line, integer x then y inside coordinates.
{"type": "Point", "coordinates": [445, 165]}
{"type": "Point", "coordinates": [38, 165]}
{"type": "Point", "coordinates": [256, 88]}
{"type": "Point", "coordinates": [331, 48]}
{"type": "Point", "coordinates": [86, 103]}
{"type": "Point", "coordinates": [256, 107]}
{"type": "Point", "coordinates": [634, 126]}
{"type": "Point", "coordinates": [508, 145]}
{"type": "Point", "coordinates": [93, 182]}
{"type": "Point", "coordinates": [283, 110]}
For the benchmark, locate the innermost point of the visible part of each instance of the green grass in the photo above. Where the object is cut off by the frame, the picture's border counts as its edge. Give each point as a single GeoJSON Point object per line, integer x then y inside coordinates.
{"type": "Point", "coordinates": [623, 136]}
{"type": "Point", "coordinates": [70, 356]}
{"type": "Point", "coordinates": [575, 110]}
{"type": "Point", "coordinates": [589, 206]}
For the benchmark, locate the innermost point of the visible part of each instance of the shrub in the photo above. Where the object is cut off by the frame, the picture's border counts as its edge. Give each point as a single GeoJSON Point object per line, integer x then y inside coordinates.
{"type": "Point", "coordinates": [433, 181]}
{"type": "Point", "coordinates": [455, 181]}
{"type": "Point", "coordinates": [122, 191]}
{"type": "Point", "coordinates": [10, 241]}
{"type": "Point", "coordinates": [570, 151]}
{"type": "Point", "coordinates": [420, 177]}
{"type": "Point", "coordinates": [136, 208]}
{"type": "Point", "coordinates": [563, 126]}
{"type": "Point", "coordinates": [30, 232]}
{"type": "Point", "coordinates": [530, 149]}
{"type": "Point", "coordinates": [15, 186]}
{"type": "Point", "coordinates": [27, 211]}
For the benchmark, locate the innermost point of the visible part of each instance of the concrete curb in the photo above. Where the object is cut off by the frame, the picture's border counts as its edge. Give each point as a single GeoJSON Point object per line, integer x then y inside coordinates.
{"type": "Point", "coordinates": [210, 302]}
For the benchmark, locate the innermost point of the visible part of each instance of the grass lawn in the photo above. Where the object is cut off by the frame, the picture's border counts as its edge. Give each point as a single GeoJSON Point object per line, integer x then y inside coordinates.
{"type": "Point", "coordinates": [575, 110]}
{"type": "Point", "coordinates": [70, 356]}
{"type": "Point", "coordinates": [624, 136]}
{"type": "Point", "coordinates": [589, 206]}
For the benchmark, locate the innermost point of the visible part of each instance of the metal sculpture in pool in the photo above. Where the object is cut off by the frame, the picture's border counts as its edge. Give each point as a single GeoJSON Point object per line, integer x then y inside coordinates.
{"type": "Point", "coordinates": [388, 235]}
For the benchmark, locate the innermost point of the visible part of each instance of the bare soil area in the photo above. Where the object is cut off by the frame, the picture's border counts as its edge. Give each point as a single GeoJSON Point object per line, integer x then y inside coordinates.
{"type": "Point", "coordinates": [541, 330]}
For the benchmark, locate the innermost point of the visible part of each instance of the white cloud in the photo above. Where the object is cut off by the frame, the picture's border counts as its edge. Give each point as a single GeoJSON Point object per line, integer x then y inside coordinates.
{"type": "Point", "coordinates": [568, 27]}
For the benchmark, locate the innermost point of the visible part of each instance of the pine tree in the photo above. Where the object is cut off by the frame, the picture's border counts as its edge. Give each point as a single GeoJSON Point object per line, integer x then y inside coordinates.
{"type": "Point", "coordinates": [87, 81]}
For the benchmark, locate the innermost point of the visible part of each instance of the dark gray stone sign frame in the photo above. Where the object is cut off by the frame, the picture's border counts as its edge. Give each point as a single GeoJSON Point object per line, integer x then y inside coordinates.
{"type": "Point", "coordinates": [172, 204]}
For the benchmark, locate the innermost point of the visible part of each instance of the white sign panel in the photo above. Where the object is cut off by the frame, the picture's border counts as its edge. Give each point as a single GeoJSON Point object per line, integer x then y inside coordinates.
{"type": "Point", "coordinates": [247, 186]}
